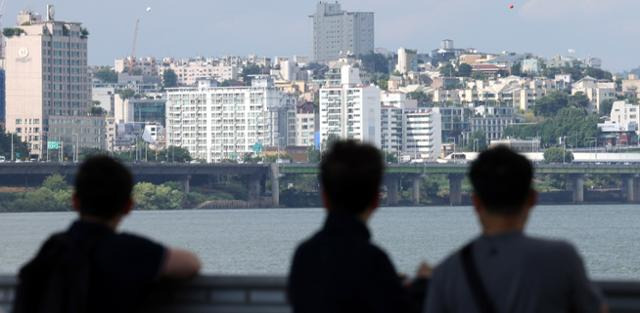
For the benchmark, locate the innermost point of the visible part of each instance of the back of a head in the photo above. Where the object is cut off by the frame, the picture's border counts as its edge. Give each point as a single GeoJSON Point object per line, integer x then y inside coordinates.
{"type": "Point", "coordinates": [502, 179]}
{"type": "Point", "coordinates": [103, 186]}
{"type": "Point", "coordinates": [350, 175]}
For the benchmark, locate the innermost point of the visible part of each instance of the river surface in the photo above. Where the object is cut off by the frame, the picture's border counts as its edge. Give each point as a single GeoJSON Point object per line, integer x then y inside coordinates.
{"type": "Point", "coordinates": [262, 241]}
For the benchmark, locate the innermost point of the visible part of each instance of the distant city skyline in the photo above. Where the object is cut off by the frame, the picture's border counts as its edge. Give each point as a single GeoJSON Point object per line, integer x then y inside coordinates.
{"type": "Point", "coordinates": [196, 28]}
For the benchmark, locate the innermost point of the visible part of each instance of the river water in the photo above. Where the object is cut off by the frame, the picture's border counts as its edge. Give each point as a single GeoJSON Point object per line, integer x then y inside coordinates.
{"type": "Point", "coordinates": [262, 241]}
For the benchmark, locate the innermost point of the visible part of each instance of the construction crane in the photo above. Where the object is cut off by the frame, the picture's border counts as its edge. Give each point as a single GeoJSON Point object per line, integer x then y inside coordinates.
{"type": "Point", "coordinates": [132, 62]}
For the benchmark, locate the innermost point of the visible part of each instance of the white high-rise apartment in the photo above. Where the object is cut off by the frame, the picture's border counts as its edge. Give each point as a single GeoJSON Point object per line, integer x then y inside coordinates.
{"type": "Point", "coordinates": [46, 76]}
{"type": "Point", "coordinates": [337, 32]}
{"type": "Point", "coordinates": [351, 110]}
{"type": "Point", "coordinates": [226, 123]}
{"type": "Point", "coordinates": [422, 129]}
{"type": "Point", "coordinates": [407, 61]}
{"type": "Point", "coordinates": [393, 106]}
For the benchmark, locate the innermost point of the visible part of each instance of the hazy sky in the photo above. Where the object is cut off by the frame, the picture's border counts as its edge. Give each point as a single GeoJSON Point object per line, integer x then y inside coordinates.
{"type": "Point", "coordinates": [604, 28]}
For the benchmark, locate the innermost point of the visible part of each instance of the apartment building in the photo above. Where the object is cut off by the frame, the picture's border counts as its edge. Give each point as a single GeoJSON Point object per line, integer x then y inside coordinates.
{"type": "Point", "coordinates": [407, 61]}
{"type": "Point", "coordinates": [226, 123]}
{"type": "Point", "coordinates": [422, 130]}
{"type": "Point", "coordinates": [189, 72]}
{"type": "Point", "coordinates": [350, 110]}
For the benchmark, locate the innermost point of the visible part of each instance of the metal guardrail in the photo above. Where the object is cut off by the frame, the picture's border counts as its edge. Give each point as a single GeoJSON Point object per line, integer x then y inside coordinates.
{"type": "Point", "coordinates": [249, 294]}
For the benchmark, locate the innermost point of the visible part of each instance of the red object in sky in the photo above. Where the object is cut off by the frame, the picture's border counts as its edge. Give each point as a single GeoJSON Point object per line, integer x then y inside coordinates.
{"type": "Point", "coordinates": [512, 6]}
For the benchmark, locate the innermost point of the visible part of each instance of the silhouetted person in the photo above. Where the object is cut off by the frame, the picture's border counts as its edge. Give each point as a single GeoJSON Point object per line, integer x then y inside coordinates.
{"type": "Point", "coordinates": [339, 269]}
{"type": "Point", "coordinates": [91, 267]}
{"type": "Point", "coordinates": [504, 270]}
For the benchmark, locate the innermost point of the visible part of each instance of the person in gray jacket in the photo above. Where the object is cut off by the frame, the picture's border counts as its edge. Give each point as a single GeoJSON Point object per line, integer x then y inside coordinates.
{"type": "Point", "coordinates": [504, 270]}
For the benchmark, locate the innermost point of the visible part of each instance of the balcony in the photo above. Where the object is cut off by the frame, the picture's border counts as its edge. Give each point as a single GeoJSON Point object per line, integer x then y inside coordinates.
{"type": "Point", "coordinates": [247, 294]}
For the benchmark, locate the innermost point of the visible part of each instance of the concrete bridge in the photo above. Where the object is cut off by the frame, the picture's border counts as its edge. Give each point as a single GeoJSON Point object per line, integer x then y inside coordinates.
{"type": "Point", "coordinates": [456, 172]}
{"type": "Point", "coordinates": [246, 294]}
{"type": "Point", "coordinates": [257, 175]}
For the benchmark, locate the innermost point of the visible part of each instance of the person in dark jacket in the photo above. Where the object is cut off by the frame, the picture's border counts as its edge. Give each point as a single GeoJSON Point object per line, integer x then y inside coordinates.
{"type": "Point", "coordinates": [339, 269]}
{"type": "Point", "coordinates": [92, 267]}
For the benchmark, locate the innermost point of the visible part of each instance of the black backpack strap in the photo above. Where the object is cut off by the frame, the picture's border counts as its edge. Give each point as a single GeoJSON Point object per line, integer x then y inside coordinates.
{"type": "Point", "coordinates": [478, 291]}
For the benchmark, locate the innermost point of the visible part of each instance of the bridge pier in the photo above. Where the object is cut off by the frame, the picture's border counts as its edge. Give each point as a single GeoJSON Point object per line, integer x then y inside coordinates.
{"type": "Point", "coordinates": [393, 185]}
{"type": "Point", "coordinates": [186, 184]}
{"type": "Point", "coordinates": [417, 181]}
{"type": "Point", "coordinates": [254, 188]}
{"type": "Point", "coordinates": [577, 185]}
{"type": "Point", "coordinates": [275, 184]}
{"type": "Point", "coordinates": [631, 188]}
{"type": "Point", "coordinates": [455, 189]}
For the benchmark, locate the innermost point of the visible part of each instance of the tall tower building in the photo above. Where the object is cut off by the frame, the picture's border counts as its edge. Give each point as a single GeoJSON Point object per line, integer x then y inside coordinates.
{"type": "Point", "coordinates": [46, 77]}
{"type": "Point", "coordinates": [337, 32]}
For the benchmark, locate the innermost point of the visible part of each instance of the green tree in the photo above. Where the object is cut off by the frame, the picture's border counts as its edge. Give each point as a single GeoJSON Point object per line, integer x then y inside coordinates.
{"type": "Point", "coordinates": [231, 83]}
{"type": "Point", "coordinates": [106, 75]}
{"type": "Point", "coordinates": [390, 157]}
{"type": "Point", "coordinates": [423, 99]}
{"type": "Point", "coordinates": [575, 125]}
{"type": "Point", "coordinates": [249, 70]}
{"type": "Point", "coordinates": [86, 153]}
{"type": "Point", "coordinates": [550, 104]}
{"type": "Point", "coordinates": [465, 70]}
{"type": "Point", "coordinates": [447, 70]}
{"type": "Point", "coordinates": [55, 182]}
{"type": "Point", "coordinates": [169, 79]}
{"type": "Point", "coordinates": [97, 111]}
{"type": "Point", "coordinates": [375, 63]}
{"type": "Point", "coordinates": [126, 93]}
{"type": "Point", "coordinates": [557, 155]}
{"type": "Point", "coordinates": [313, 155]}
{"type": "Point", "coordinates": [605, 107]}
{"type": "Point", "coordinates": [157, 197]}
{"type": "Point", "coordinates": [516, 69]}
{"type": "Point", "coordinates": [318, 70]}
{"type": "Point", "coordinates": [10, 32]}
{"type": "Point", "coordinates": [20, 148]}
{"type": "Point", "coordinates": [477, 141]}
{"type": "Point", "coordinates": [597, 73]}
{"type": "Point", "coordinates": [172, 154]}
{"type": "Point", "coordinates": [579, 100]}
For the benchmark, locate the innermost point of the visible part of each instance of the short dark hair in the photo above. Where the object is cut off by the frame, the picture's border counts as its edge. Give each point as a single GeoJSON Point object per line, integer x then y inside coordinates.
{"type": "Point", "coordinates": [502, 179]}
{"type": "Point", "coordinates": [350, 176]}
{"type": "Point", "coordinates": [103, 186]}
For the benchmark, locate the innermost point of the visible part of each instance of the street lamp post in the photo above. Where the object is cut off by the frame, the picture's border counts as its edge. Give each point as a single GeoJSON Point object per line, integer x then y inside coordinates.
{"type": "Point", "coordinates": [12, 152]}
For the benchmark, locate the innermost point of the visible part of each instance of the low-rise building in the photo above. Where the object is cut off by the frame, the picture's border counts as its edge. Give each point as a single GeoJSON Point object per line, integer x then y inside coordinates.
{"type": "Point", "coordinates": [597, 91]}
{"type": "Point", "coordinates": [518, 145]}
{"type": "Point", "coordinates": [626, 116]}
{"type": "Point", "coordinates": [492, 121]}
{"type": "Point", "coordinates": [456, 123]}
{"type": "Point", "coordinates": [190, 71]}
{"type": "Point", "coordinates": [79, 131]}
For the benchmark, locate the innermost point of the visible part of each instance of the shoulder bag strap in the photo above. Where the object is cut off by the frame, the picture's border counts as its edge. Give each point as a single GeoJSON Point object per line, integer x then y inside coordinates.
{"type": "Point", "coordinates": [478, 291]}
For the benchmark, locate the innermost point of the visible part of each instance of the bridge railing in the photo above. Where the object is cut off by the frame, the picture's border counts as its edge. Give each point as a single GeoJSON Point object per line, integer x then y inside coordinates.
{"type": "Point", "coordinates": [248, 294]}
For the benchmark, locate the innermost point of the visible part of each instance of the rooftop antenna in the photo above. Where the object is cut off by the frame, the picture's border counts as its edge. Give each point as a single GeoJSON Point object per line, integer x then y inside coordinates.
{"type": "Point", "coordinates": [133, 47]}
